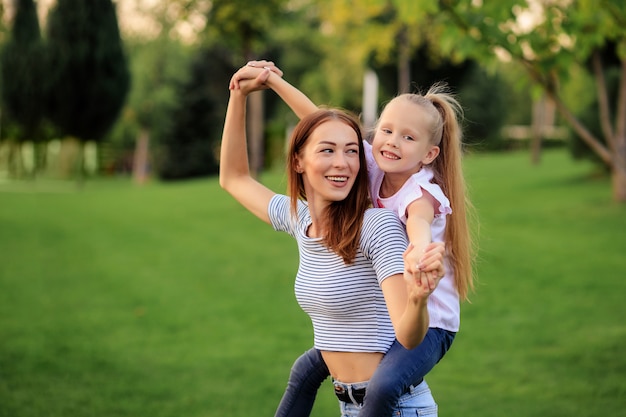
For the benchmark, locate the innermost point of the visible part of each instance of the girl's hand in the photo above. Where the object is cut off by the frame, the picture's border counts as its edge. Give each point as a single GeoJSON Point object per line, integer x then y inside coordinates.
{"type": "Point", "coordinates": [420, 284]}
{"type": "Point", "coordinates": [412, 259]}
{"type": "Point", "coordinates": [422, 277]}
{"type": "Point", "coordinates": [259, 70]}
{"type": "Point", "coordinates": [432, 259]}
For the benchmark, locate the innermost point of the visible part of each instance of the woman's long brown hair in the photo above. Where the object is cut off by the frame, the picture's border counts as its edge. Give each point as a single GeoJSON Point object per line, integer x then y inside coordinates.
{"type": "Point", "coordinates": [343, 219]}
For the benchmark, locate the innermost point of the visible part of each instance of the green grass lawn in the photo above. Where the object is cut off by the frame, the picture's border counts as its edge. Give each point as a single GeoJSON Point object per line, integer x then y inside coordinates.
{"type": "Point", "coordinates": [172, 300]}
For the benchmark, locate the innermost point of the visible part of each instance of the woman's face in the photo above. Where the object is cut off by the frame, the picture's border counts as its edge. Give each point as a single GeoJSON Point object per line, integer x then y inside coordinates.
{"type": "Point", "coordinates": [329, 162]}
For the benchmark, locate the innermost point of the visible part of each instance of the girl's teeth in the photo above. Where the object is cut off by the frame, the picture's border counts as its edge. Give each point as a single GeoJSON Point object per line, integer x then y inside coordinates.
{"type": "Point", "coordinates": [390, 155]}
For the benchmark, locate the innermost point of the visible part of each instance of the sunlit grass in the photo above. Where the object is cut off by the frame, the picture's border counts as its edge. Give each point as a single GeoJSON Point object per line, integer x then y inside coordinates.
{"type": "Point", "coordinates": [172, 300]}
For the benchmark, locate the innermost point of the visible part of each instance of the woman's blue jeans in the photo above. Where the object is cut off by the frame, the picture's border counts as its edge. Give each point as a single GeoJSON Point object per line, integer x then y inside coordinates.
{"type": "Point", "coordinates": [418, 401]}
{"type": "Point", "coordinates": [399, 370]}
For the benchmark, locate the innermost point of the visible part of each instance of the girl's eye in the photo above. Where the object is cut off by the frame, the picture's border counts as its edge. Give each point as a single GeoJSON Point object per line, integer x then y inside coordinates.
{"type": "Point", "coordinates": [409, 138]}
{"type": "Point", "coordinates": [387, 131]}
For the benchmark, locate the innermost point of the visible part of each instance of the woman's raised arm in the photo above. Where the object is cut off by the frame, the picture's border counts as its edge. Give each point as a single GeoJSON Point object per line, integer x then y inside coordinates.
{"type": "Point", "coordinates": [235, 175]}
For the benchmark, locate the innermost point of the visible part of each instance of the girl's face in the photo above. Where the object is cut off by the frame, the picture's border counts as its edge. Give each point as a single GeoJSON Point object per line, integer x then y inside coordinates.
{"type": "Point", "coordinates": [402, 141]}
{"type": "Point", "coordinates": [329, 162]}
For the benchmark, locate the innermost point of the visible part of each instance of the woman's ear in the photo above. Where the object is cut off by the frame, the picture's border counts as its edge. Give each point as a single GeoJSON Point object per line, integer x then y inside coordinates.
{"type": "Point", "coordinates": [297, 167]}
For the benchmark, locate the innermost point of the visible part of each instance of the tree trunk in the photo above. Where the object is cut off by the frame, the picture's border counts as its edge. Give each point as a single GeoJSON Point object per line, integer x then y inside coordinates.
{"type": "Point", "coordinates": [536, 131]}
{"type": "Point", "coordinates": [68, 156]}
{"type": "Point", "coordinates": [404, 63]}
{"type": "Point", "coordinates": [255, 132]}
{"type": "Point", "coordinates": [15, 163]}
{"type": "Point", "coordinates": [615, 160]}
{"type": "Point", "coordinates": [619, 185]}
{"type": "Point", "coordinates": [618, 172]}
{"type": "Point", "coordinates": [41, 157]}
{"type": "Point", "coordinates": [619, 142]}
{"type": "Point", "coordinates": [254, 117]}
{"type": "Point", "coordinates": [80, 165]}
{"type": "Point", "coordinates": [370, 98]}
{"type": "Point", "coordinates": [140, 158]}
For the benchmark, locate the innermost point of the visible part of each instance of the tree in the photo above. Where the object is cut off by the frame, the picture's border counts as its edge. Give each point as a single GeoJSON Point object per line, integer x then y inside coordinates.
{"type": "Point", "coordinates": [87, 68]}
{"type": "Point", "coordinates": [243, 27]}
{"type": "Point", "coordinates": [159, 67]}
{"type": "Point", "coordinates": [548, 39]}
{"type": "Point", "coordinates": [377, 32]}
{"type": "Point", "coordinates": [23, 91]}
{"type": "Point", "coordinates": [589, 116]}
{"type": "Point", "coordinates": [189, 150]}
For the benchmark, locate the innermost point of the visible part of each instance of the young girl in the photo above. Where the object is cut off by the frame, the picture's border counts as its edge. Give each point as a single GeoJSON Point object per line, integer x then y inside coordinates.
{"type": "Point", "coordinates": [352, 280]}
{"type": "Point", "coordinates": [415, 170]}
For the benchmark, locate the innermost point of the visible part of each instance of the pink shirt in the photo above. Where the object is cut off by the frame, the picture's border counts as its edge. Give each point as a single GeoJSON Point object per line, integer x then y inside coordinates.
{"type": "Point", "coordinates": [443, 304]}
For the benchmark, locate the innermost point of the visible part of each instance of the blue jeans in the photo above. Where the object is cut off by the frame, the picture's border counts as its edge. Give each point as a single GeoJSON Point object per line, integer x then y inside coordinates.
{"type": "Point", "coordinates": [397, 372]}
{"type": "Point", "coordinates": [418, 401]}
{"type": "Point", "coordinates": [307, 374]}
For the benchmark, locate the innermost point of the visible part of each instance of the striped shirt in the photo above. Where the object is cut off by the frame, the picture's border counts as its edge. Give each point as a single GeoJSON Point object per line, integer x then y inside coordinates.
{"type": "Point", "coordinates": [345, 302]}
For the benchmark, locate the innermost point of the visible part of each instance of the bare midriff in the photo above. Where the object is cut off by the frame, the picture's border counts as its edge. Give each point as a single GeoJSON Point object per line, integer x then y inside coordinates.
{"type": "Point", "coordinates": [350, 367]}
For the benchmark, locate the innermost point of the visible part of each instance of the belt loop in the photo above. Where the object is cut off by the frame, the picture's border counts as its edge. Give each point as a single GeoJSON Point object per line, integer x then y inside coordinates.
{"type": "Point", "coordinates": [354, 401]}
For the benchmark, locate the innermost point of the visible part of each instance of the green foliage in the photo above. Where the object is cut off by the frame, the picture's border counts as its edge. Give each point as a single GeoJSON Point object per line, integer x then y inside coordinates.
{"type": "Point", "coordinates": [484, 99]}
{"type": "Point", "coordinates": [172, 300]}
{"type": "Point", "coordinates": [243, 25]}
{"type": "Point", "coordinates": [297, 46]}
{"type": "Point", "coordinates": [3, 28]}
{"type": "Point", "coordinates": [87, 68]}
{"type": "Point", "coordinates": [22, 72]}
{"type": "Point", "coordinates": [190, 148]}
{"type": "Point", "coordinates": [519, 101]}
{"type": "Point", "coordinates": [548, 38]}
{"type": "Point", "coordinates": [159, 69]}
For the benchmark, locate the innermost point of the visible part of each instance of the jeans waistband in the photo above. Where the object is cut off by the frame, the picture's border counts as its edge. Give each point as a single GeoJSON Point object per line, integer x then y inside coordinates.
{"type": "Point", "coordinates": [351, 395]}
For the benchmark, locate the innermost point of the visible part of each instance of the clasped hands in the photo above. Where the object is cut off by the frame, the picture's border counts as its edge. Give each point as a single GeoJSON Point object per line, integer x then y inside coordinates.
{"type": "Point", "coordinates": [253, 75]}
{"type": "Point", "coordinates": [422, 277]}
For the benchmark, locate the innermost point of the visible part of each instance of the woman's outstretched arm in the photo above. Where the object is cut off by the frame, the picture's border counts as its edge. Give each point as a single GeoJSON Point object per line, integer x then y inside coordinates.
{"type": "Point", "coordinates": [235, 175]}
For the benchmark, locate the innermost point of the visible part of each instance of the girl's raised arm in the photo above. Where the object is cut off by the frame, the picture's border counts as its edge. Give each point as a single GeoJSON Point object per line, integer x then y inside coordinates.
{"type": "Point", "coordinates": [235, 175]}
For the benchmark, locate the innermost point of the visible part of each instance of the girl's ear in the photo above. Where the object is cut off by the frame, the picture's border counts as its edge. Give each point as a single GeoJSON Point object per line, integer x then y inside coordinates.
{"type": "Point", "coordinates": [431, 155]}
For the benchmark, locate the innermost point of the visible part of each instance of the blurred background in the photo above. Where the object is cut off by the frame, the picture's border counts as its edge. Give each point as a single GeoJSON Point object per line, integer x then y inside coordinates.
{"type": "Point", "coordinates": [138, 87]}
{"type": "Point", "coordinates": [132, 285]}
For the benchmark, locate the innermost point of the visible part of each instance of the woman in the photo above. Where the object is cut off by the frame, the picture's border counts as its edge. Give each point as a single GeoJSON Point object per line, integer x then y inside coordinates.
{"type": "Point", "coordinates": [352, 280]}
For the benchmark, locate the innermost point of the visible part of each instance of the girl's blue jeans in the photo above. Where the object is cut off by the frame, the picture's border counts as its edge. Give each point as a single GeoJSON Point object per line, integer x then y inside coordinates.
{"type": "Point", "coordinates": [398, 372]}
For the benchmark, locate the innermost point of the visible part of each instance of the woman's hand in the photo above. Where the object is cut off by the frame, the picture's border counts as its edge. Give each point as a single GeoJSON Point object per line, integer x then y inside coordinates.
{"type": "Point", "coordinates": [255, 73]}
{"type": "Point", "coordinates": [422, 278]}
